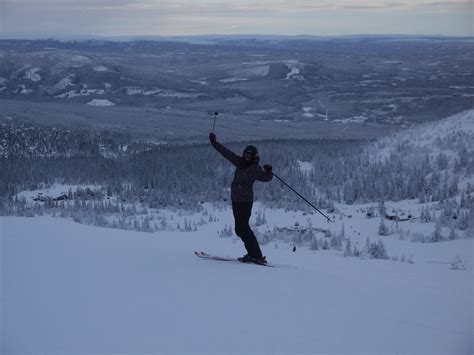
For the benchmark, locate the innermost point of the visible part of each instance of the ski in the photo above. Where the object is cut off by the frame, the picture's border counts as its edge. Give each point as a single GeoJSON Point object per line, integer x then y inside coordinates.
{"type": "Point", "coordinates": [204, 255]}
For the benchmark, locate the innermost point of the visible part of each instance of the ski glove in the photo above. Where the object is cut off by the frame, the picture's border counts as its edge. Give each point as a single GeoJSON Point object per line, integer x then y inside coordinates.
{"type": "Point", "coordinates": [212, 137]}
{"type": "Point", "coordinates": [267, 168]}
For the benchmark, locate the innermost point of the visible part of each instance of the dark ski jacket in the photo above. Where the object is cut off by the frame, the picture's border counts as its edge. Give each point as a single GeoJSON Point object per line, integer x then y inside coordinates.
{"type": "Point", "coordinates": [246, 173]}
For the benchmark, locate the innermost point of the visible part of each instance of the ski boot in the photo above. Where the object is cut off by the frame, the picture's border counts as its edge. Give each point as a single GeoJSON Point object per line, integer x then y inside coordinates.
{"type": "Point", "coordinates": [251, 259]}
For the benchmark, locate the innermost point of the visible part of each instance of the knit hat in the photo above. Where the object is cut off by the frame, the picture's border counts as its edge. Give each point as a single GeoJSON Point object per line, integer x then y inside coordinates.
{"type": "Point", "coordinates": [250, 149]}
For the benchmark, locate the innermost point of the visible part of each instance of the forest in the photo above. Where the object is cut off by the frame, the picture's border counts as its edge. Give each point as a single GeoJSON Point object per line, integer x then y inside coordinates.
{"type": "Point", "coordinates": [131, 176]}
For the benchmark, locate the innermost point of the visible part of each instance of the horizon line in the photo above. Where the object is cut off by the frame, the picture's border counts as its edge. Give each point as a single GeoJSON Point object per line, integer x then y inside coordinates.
{"type": "Point", "coordinates": [52, 36]}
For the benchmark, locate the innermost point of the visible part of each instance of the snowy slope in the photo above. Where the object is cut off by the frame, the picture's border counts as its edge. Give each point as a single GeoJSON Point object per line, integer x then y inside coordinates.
{"type": "Point", "coordinates": [69, 288]}
{"type": "Point", "coordinates": [432, 138]}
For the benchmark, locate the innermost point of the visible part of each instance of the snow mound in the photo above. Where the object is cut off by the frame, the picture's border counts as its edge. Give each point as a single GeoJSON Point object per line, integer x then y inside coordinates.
{"type": "Point", "coordinates": [23, 90]}
{"type": "Point", "coordinates": [100, 68]}
{"type": "Point", "coordinates": [232, 80]}
{"type": "Point", "coordinates": [307, 112]}
{"type": "Point", "coordinates": [101, 102]}
{"type": "Point", "coordinates": [269, 111]}
{"type": "Point", "coordinates": [295, 70]}
{"type": "Point", "coordinates": [84, 92]}
{"type": "Point", "coordinates": [305, 166]}
{"type": "Point", "coordinates": [65, 82]}
{"type": "Point", "coordinates": [32, 74]}
{"type": "Point", "coordinates": [160, 92]}
{"type": "Point", "coordinates": [200, 82]}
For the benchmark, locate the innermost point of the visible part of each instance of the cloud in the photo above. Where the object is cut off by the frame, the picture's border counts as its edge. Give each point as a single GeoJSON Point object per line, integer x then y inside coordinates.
{"type": "Point", "coordinates": [109, 17]}
{"type": "Point", "coordinates": [206, 7]}
{"type": "Point", "coordinates": [447, 3]}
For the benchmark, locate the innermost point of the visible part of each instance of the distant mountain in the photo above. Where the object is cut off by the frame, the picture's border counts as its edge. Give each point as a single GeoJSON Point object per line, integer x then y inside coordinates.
{"type": "Point", "coordinates": [382, 80]}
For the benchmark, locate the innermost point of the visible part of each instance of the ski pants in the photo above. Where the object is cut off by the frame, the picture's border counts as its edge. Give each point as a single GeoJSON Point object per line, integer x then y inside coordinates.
{"type": "Point", "coordinates": [242, 212]}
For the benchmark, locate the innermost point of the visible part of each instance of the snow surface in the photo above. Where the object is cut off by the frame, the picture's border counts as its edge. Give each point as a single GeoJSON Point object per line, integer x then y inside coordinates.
{"type": "Point", "coordinates": [83, 92]}
{"type": "Point", "coordinates": [32, 74]}
{"type": "Point", "coordinates": [424, 137]}
{"type": "Point", "coordinates": [354, 119]}
{"type": "Point", "coordinates": [76, 289]}
{"type": "Point", "coordinates": [294, 70]}
{"type": "Point", "coordinates": [307, 112]}
{"type": "Point", "coordinates": [100, 68]}
{"type": "Point", "coordinates": [200, 82]}
{"type": "Point", "coordinates": [253, 70]}
{"type": "Point", "coordinates": [68, 288]}
{"type": "Point", "coordinates": [67, 81]}
{"type": "Point", "coordinates": [305, 166]}
{"type": "Point", "coordinates": [267, 111]}
{"type": "Point", "coordinates": [55, 191]}
{"type": "Point", "coordinates": [23, 90]}
{"type": "Point", "coordinates": [101, 102]}
{"type": "Point", "coordinates": [232, 80]}
{"type": "Point", "coordinates": [160, 92]}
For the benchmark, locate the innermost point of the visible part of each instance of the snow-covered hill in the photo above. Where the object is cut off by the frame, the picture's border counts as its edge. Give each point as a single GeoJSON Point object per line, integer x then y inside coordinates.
{"type": "Point", "coordinates": [444, 136]}
{"type": "Point", "coordinates": [69, 288]}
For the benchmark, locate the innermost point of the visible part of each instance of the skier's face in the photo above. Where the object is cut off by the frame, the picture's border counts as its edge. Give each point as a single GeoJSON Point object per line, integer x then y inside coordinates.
{"type": "Point", "coordinates": [249, 156]}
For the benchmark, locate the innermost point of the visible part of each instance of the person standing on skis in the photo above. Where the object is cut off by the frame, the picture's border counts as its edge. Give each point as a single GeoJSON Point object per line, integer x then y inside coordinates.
{"type": "Point", "coordinates": [246, 173]}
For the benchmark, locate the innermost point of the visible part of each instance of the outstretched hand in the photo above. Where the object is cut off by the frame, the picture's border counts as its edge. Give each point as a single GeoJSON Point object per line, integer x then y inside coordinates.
{"type": "Point", "coordinates": [267, 168]}
{"type": "Point", "coordinates": [212, 137]}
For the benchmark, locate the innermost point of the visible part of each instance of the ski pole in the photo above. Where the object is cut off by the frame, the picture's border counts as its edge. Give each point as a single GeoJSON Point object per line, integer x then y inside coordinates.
{"type": "Point", "coordinates": [296, 192]}
{"type": "Point", "coordinates": [215, 117]}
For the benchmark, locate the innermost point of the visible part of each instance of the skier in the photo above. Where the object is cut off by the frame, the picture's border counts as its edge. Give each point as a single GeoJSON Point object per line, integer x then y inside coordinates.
{"type": "Point", "coordinates": [246, 173]}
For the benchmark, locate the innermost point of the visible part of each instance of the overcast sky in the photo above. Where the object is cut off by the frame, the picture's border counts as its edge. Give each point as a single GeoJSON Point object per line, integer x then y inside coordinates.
{"type": "Point", "coordinates": [197, 17]}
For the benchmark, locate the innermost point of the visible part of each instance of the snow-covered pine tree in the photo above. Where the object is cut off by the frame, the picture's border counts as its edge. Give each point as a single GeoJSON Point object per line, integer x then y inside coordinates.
{"type": "Point", "coordinates": [348, 249]}
{"type": "Point", "coordinates": [383, 229]}
{"type": "Point", "coordinates": [437, 236]}
{"type": "Point", "coordinates": [226, 232]}
{"type": "Point", "coordinates": [458, 263]}
{"type": "Point", "coordinates": [314, 243]}
{"type": "Point", "coordinates": [377, 250]}
{"type": "Point", "coordinates": [452, 234]}
{"type": "Point", "coordinates": [336, 242]}
{"type": "Point", "coordinates": [325, 245]}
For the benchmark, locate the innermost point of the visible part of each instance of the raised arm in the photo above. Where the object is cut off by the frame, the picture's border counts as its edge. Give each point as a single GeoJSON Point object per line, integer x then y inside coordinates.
{"type": "Point", "coordinates": [226, 153]}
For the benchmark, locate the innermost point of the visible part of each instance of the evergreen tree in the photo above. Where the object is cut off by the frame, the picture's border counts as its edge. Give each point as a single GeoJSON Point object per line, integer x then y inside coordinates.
{"type": "Point", "coordinates": [437, 236]}
{"type": "Point", "coordinates": [314, 243]}
{"type": "Point", "coordinates": [336, 243]}
{"type": "Point", "coordinates": [377, 250]}
{"type": "Point", "coordinates": [348, 250]}
{"type": "Point", "coordinates": [383, 229]}
{"type": "Point", "coordinates": [452, 234]}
